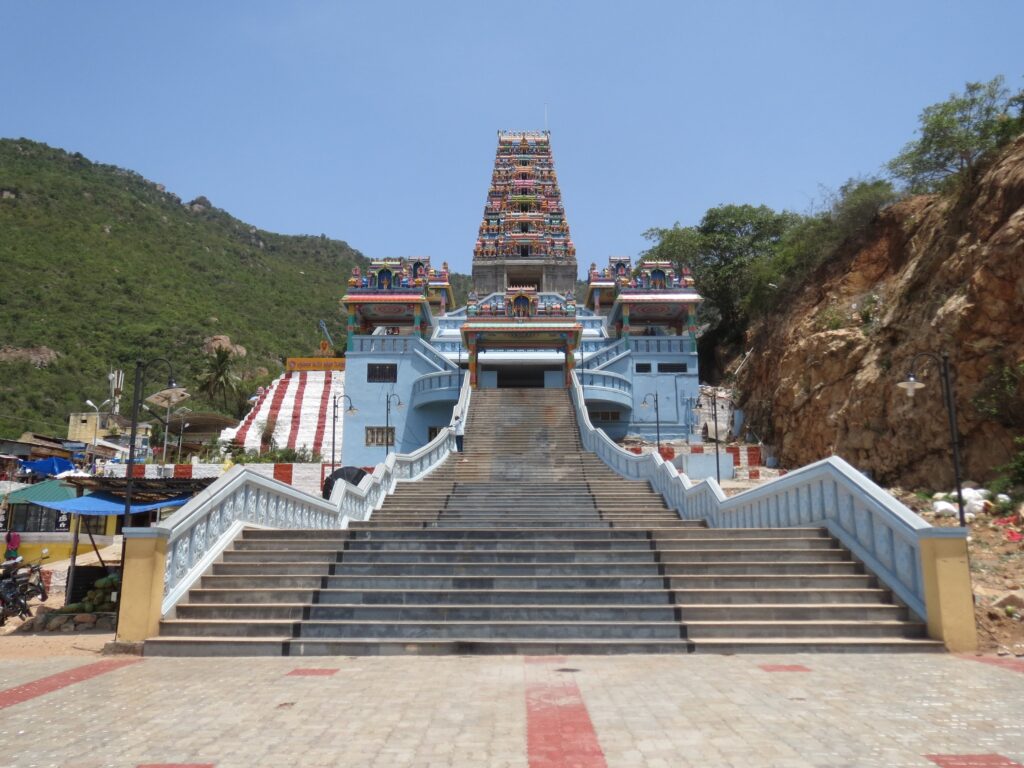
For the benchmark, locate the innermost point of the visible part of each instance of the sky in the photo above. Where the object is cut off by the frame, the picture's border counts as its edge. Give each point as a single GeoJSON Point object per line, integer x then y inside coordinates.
{"type": "Point", "coordinates": [376, 122]}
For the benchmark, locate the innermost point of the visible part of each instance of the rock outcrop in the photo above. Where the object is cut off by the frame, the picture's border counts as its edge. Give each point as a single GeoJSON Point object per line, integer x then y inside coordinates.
{"type": "Point", "coordinates": [935, 274]}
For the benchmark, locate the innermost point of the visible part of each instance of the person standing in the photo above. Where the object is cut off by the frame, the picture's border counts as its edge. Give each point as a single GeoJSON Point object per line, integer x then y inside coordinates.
{"type": "Point", "coordinates": [460, 432]}
{"type": "Point", "coordinates": [12, 541]}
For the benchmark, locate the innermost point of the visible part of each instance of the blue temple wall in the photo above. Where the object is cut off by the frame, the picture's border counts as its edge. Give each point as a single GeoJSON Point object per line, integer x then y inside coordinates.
{"type": "Point", "coordinates": [412, 422]}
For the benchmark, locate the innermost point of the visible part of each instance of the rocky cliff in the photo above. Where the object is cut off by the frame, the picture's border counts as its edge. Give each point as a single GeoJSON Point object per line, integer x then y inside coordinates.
{"type": "Point", "coordinates": [933, 274]}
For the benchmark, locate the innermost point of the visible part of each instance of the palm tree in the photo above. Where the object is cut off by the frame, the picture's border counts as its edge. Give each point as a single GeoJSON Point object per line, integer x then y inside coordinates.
{"type": "Point", "coordinates": [218, 379]}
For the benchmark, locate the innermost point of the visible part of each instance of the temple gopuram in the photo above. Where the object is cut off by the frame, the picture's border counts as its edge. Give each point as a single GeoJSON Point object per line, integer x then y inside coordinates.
{"type": "Point", "coordinates": [631, 342]}
{"type": "Point", "coordinates": [524, 237]}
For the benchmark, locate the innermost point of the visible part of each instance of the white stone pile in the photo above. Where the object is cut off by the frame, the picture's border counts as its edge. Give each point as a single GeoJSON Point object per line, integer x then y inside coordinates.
{"type": "Point", "coordinates": [977, 501]}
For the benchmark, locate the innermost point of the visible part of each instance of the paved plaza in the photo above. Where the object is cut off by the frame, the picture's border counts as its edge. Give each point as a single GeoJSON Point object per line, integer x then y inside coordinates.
{"type": "Point", "coordinates": [540, 712]}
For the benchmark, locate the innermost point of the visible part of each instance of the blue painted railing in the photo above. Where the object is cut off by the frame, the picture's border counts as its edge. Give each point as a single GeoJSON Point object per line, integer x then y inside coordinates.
{"type": "Point", "coordinates": [432, 387]}
{"type": "Point", "coordinates": [879, 531]}
{"type": "Point", "coordinates": [607, 386]}
{"type": "Point", "coordinates": [675, 345]}
{"type": "Point", "coordinates": [604, 355]}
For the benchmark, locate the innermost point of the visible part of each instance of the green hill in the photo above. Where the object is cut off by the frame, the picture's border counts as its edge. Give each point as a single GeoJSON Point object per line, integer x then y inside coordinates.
{"type": "Point", "coordinates": [102, 267]}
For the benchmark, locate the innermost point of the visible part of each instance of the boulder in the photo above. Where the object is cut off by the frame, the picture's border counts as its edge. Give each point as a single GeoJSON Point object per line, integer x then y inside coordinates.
{"type": "Point", "coordinates": [68, 627]}
{"type": "Point", "coordinates": [85, 618]}
{"type": "Point", "coordinates": [56, 622]}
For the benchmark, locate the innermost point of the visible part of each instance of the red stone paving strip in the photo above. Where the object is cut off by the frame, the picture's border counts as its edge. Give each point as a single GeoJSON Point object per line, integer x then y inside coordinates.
{"type": "Point", "coordinates": [559, 732]}
{"type": "Point", "coordinates": [311, 672]}
{"type": "Point", "coordinates": [177, 765]}
{"type": "Point", "coordinates": [44, 685]}
{"type": "Point", "coordinates": [784, 668]}
{"type": "Point", "coordinates": [1017, 665]}
{"type": "Point", "coordinates": [973, 761]}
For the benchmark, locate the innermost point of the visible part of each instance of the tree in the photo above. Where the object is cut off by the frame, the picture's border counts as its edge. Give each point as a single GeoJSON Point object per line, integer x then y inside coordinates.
{"type": "Point", "coordinates": [218, 379]}
{"type": "Point", "coordinates": [722, 251]}
{"type": "Point", "coordinates": [957, 133]}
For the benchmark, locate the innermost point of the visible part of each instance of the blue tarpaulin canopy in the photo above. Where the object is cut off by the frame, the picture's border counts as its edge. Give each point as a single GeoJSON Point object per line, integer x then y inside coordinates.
{"type": "Point", "coordinates": [52, 466]}
{"type": "Point", "coordinates": [108, 504]}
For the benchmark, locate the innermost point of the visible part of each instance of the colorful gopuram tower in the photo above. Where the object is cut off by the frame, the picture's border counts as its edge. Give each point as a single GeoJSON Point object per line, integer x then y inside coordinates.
{"type": "Point", "coordinates": [524, 237]}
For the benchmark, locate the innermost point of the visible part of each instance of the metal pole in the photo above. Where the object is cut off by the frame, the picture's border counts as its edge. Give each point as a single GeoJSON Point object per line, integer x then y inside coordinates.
{"type": "Point", "coordinates": [136, 403]}
{"type": "Point", "coordinates": [334, 429]}
{"type": "Point", "coordinates": [714, 417]}
{"type": "Point", "coordinates": [954, 434]}
{"type": "Point", "coordinates": [387, 424]}
{"type": "Point", "coordinates": [167, 427]}
{"type": "Point", "coordinates": [657, 421]}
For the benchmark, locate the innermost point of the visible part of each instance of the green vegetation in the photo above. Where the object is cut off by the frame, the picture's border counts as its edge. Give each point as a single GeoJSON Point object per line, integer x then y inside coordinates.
{"type": "Point", "coordinates": [957, 134]}
{"type": "Point", "coordinates": [218, 381]}
{"type": "Point", "coordinates": [104, 267]}
{"type": "Point", "coordinates": [748, 260]}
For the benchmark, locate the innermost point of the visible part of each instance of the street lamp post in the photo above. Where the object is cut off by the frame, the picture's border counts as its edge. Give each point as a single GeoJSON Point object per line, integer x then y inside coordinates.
{"type": "Point", "coordinates": [911, 385]}
{"type": "Point", "coordinates": [334, 422]}
{"type": "Point", "coordinates": [96, 424]}
{"type": "Point", "coordinates": [657, 416]}
{"type": "Point", "coordinates": [140, 369]}
{"type": "Point", "coordinates": [387, 421]}
{"type": "Point", "coordinates": [181, 432]}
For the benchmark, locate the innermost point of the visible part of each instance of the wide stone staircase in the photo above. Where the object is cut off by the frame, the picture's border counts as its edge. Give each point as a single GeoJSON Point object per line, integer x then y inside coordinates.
{"type": "Point", "coordinates": [528, 544]}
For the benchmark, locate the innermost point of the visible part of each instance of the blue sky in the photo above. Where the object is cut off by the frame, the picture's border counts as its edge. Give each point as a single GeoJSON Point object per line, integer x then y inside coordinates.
{"type": "Point", "coordinates": [376, 122]}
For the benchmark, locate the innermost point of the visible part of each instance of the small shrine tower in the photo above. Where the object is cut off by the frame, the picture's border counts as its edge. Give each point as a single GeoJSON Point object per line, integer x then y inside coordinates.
{"type": "Point", "coordinates": [524, 238]}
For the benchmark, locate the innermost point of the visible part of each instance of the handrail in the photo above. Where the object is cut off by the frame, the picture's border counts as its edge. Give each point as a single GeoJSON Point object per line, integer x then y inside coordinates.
{"type": "Point", "coordinates": [874, 526]}
{"type": "Point", "coordinates": [198, 532]}
{"type": "Point", "coordinates": [662, 344]}
{"type": "Point", "coordinates": [607, 379]}
{"type": "Point", "coordinates": [431, 381]}
{"type": "Point", "coordinates": [432, 354]}
{"type": "Point", "coordinates": [202, 529]}
{"type": "Point", "coordinates": [604, 355]}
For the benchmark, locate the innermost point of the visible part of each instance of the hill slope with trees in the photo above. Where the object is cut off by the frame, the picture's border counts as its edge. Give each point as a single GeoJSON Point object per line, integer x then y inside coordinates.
{"type": "Point", "coordinates": [101, 267]}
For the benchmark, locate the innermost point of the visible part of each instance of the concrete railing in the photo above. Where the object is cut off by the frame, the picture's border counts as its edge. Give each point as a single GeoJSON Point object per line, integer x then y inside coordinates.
{"type": "Point", "coordinates": [432, 387]}
{"type": "Point", "coordinates": [605, 354]}
{"type": "Point", "coordinates": [164, 561]}
{"type": "Point", "coordinates": [662, 345]}
{"type": "Point", "coordinates": [607, 386]}
{"type": "Point", "coordinates": [880, 531]}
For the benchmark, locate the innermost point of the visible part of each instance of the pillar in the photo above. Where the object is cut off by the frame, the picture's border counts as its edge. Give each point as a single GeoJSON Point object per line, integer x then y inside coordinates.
{"type": "Point", "coordinates": [472, 362]}
{"type": "Point", "coordinates": [142, 590]}
{"type": "Point", "coordinates": [948, 596]}
{"type": "Point", "coordinates": [351, 327]}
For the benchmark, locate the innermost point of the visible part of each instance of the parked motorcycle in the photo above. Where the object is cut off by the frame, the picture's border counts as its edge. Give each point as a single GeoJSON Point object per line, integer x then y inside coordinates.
{"type": "Point", "coordinates": [20, 583]}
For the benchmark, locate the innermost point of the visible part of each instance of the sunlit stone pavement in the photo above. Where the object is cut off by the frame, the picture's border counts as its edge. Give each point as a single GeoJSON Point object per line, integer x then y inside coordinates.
{"type": "Point", "coordinates": [586, 711]}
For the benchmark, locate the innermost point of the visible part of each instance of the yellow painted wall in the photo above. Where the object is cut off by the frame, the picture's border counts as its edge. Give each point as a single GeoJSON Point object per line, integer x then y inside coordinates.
{"type": "Point", "coordinates": [949, 597]}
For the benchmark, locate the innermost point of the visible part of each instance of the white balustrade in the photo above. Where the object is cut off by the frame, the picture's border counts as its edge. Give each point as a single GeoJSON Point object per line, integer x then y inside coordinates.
{"type": "Point", "coordinates": [879, 530]}
{"type": "Point", "coordinates": [202, 529]}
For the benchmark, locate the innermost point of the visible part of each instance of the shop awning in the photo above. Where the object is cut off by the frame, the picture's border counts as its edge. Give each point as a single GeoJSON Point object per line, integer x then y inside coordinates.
{"type": "Point", "coordinates": [106, 504]}
{"type": "Point", "coordinates": [51, 466]}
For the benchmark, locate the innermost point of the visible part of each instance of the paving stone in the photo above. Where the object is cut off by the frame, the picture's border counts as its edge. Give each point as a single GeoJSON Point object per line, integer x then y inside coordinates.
{"type": "Point", "coordinates": [860, 710]}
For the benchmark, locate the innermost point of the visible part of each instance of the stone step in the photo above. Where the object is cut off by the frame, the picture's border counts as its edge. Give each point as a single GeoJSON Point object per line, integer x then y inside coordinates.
{"type": "Point", "coordinates": [509, 556]}
{"type": "Point", "coordinates": [524, 582]}
{"type": "Point", "coordinates": [649, 568]}
{"type": "Point", "coordinates": [533, 630]}
{"type": "Point", "coordinates": [729, 646]}
{"type": "Point", "coordinates": [285, 646]}
{"type": "Point", "coordinates": [756, 583]}
{"type": "Point", "coordinates": [373, 534]}
{"type": "Point", "coordinates": [475, 545]}
{"type": "Point", "coordinates": [273, 555]}
{"type": "Point", "coordinates": [774, 612]}
{"type": "Point", "coordinates": [761, 567]}
{"type": "Point", "coordinates": [270, 568]}
{"type": "Point", "coordinates": [261, 534]}
{"type": "Point", "coordinates": [741, 554]}
{"type": "Point", "coordinates": [735, 629]}
{"type": "Point", "coordinates": [478, 611]}
{"type": "Point", "coordinates": [803, 596]}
